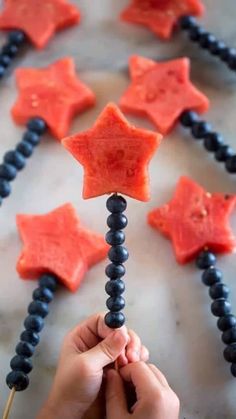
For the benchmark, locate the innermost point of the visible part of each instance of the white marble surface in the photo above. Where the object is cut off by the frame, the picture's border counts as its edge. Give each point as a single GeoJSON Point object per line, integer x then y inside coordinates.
{"type": "Point", "coordinates": [166, 303]}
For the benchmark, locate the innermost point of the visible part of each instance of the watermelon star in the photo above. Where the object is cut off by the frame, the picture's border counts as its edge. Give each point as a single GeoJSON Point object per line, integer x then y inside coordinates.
{"type": "Point", "coordinates": [57, 243]}
{"type": "Point", "coordinates": [38, 19]}
{"type": "Point", "coordinates": [161, 91]}
{"type": "Point", "coordinates": [115, 156]}
{"type": "Point", "coordinates": [194, 220]}
{"type": "Point", "coordinates": [53, 93]}
{"type": "Point", "coordinates": [161, 16]}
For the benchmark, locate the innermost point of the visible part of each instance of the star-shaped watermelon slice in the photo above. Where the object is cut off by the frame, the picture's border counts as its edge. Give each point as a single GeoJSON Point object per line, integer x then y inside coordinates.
{"type": "Point", "coordinates": [38, 19]}
{"type": "Point", "coordinates": [115, 156]}
{"type": "Point", "coordinates": [161, 91]}
{"type": "Point", "coordinates": [54, 93]}
{"type": "Point", "coordinates": [161, 16]}
{"type": "Point", "coordinates": [57, 243]}
{"type": "Point", "coordinates": [195, 220]}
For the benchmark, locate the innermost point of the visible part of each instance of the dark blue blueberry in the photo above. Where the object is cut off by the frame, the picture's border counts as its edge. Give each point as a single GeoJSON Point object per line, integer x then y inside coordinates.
{"type": "Point", "coordinates": [229, 336]}
{"type": "Point", "coordinates": [2, 71]}
{"type": "Point", "coordinates": [233, 370]}
{"type": "Point", "coordinates": [230, 164]}
{"type": "Point", "coordinates": [5, 188]}
{"type": "Point", "coordinates": [226, 322]}
{"type": "Point", "coordinates": [7, 171]}
{"type": "Point", "coordinates": [17, 380]}
{"type": "Point", "coordinates": [196, 32]}
{"type": "Point", "coordinates": [30, 337]}
{"type": "Point", "coordinates": [211, 276]}
{"type": "Point", "coordinates": [32, 138]}
{"type": "Point", "coordinates": [115, 238]}
{"type": "Point", "coordinates": [189, 118]}
{"type": "Point", "coordinates": [15, 158]}
{"type": "Point", "coordinates": [226, 53]}
{"type": "Point", "coordinates": [230, 353]}
{"type": "Point", "coordinates": [232, 61]}
{"type": "Point", "coordinates": [117, 221]}
{"type": "Point", "coordinates": [115, 287]}
{"type": "Point", "coordinates": [115, 320]}
{"type": "Point", "coordinates": [201, 129]}
{"type": "Point", "coordinates": [205, 259]}
{"type": "Point", "coordinates": [219, 290]}
{"type": "Point", "coordinates": [213, 141]}
{"type": "Point", "coordinates": [39, 308]}
{"type": "Point", "coordinates": [25, 148]}
{"type": "Point", "coordinates": [217, 47]}
{"type": "Point", "coordinates": [48, 281]}
{"type": "Point", "coordinates": [34, 322]}
{"type": "Point", "coordinates": [43, 294]}
{"type": "Point", "coordinates": [16, 37]}
{"type": "Point", "coordinates": [220, 307]}
{"type": "Point", "coordinates": [116, 203]}
{"type": "Point", "coordinates": [118, 254]}
{"type": "Point", "coordinates": [114, 271]}
{"type": "Point", "coordinates": [19, 363]}
{"type": "Point", "coordinates": [115, 304]}
{"type": "Point", "coordinates": [187, 22]}
{"type": "Point", "coordinates": [224, 153]}
{"type": "Point", "coordinates": [37, 125]}
{"type": "Point", "coordinates": [10, 49]}
{"type": "Point", "coordinates": [24, 349]}
{"type": "Point", "coordinates": [5, 60]}
{"type": "Point", "coordinates": [206, 40]}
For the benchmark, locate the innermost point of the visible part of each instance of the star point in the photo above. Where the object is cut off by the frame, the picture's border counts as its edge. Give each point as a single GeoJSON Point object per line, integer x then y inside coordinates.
{"type": "Point", "coordinates": [195, 219]}
{"type": "Point", "coordinates": [38, 19]}
{"type": "Point", "coordinates": [57, 243]}
{"type": "Point", "coordinates": [54, 93]}
{"type": "Point", "coordinates": [161, 91]}
{"type": "Point", "coordinates": [115, 156]}
{"type": "Point", "coordinates": [161, 16]}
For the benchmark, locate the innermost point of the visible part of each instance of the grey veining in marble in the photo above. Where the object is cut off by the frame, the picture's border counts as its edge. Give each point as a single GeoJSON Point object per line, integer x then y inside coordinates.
{"type": "Point", "coordinates": [166, 303]}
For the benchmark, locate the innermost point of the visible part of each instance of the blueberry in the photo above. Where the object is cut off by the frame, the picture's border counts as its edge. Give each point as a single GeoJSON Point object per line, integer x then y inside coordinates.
{"type": "Point", "coordinates": [188, 118]}
{"type": "Point", "coordinates": [30, 337]}
{"type": "Point", "coordinates": [220, 307]}
{"type": "Point", "coordinates": [115, 320]}
{"type": "Point", "coordinates": [34, 322]}
{"type": "Point", "coordinates": [5, 188]}
{"type": "Point", "coordinates": [230, 353]}
{"type": "Point", "coordinates": [226, 322]}
{"type": "Point", "coordinates": [32, 138]}
{"type": "Point", "coordinates": [19, 363]}
{"type": "Point", "coordinates": [115, 287]}
{"type": "Point", "coordinates": [229, 336]}
{"type": "Point", "coordinates": [37, 125]}
{"type": "Point", "coordinates": [211, 276]}
{"type": "Point", "coordinates": [219, 290]}
{"type": "Point", "coordinates": [16, 37]}
{"type": "Point", "coordinates": [116, 204]}
{"type": "Point", "coordinates": [117, 221]}
{"type": "Point", "coordinates": [115, 304]}
{"type": "Point", "coordinates": [25, 349]}
{"type": "Point", "coordinates": [7, 171]}
{"type": "Point", "coordinates": [43, 294]}
{"type": "Point", "coordinates": [115, 238]}
{"type": "Point", "coordinates": [205, 259]}
{"type": "Point", "coordinates": [15, 158]}
{"type": "Point", "coordinates": [38, 308]}
{"type": "Point", "coordinates": [25, 148]}
{"type": "Point", "coordinates": [17, 380]}
{"type": "Point", "coordinates": [114, 271]}
{"type": "Point", "coordinates": [48, 281]}
{"type": "Point", "coordinates": [118, 254]}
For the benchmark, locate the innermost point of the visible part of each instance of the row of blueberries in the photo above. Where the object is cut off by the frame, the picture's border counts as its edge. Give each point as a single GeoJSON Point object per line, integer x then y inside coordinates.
{"type": "Point", "coordinates": [221, 307]}
{"type": "Point", "coordinates": [38, 309]}
{"type": "Point", "coordinates": [15, 160]}
{"type": "Point", "coordinates": [15, 40]}
{"type": "Point", "coordinates": [208, 41]}
{"type": "Point", "coordinates": [213, 141]}
{"type": "Point", "coordinates": [117, 254]}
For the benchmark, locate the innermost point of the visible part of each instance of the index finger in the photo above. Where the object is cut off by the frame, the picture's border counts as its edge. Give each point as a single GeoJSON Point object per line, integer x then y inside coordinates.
{"type": "Point", "coordinates": [143, 379]}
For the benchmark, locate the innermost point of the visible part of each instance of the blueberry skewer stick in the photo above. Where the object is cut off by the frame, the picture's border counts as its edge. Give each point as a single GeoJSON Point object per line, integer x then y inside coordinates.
{"type": "Point", "coordinates": [15, 160]}
{"type": "Point", "coordinates": [213, 141]}
{"type": "Point", "coordinates": [118, 254]}
{"type": "Point", "coordinates": [220, 307]}
{"type": "Point", "coordinates": [208, 41]}
{"type": "Point", "coordinates": [21, 364]}
{"type": "Point", "coordinates": [15, 41]}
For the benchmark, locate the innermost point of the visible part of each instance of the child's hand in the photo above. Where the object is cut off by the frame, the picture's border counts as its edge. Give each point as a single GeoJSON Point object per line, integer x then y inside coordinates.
{"type": "Point", "coordinates": [155, 399]}
{"type": "Point", "coordinates": [86, 350]}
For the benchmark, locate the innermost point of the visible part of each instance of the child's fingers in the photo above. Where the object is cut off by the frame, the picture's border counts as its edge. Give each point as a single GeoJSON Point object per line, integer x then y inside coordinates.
{"type": "Point", "coordinates": [159, 375]}
{"type": "Point", "coordinates": [144, 354]}
{"type": "Point", "coordinates": [115, 396]}
{"type": "Point", "coordinates": [143, 379]}
{"type": "Point", "coordinates": [134, 347]}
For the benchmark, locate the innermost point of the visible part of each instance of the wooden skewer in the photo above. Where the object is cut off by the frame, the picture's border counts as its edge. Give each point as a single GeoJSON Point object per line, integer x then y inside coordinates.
{"type": "Point", "coordinates": [9, 404]}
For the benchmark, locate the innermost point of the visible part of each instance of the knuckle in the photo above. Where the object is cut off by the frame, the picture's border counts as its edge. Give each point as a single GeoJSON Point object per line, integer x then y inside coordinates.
{"type": "Point", "coordinates": [107, 350]}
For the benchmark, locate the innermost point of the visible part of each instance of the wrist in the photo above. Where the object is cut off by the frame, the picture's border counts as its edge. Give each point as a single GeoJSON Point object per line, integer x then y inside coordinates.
{"type": "Point", "coordinates": [62, 410]}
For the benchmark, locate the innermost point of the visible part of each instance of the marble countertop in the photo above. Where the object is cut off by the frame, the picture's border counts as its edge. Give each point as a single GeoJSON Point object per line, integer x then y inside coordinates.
{"type": "Point", "coordinates": [166, 303]}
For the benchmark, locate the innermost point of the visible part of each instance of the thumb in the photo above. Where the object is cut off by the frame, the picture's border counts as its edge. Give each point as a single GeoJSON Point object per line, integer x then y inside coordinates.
{"type": "Point", "coordinates": [116, 406]}
{"type": "Point", "coordinates": [108, 350]}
